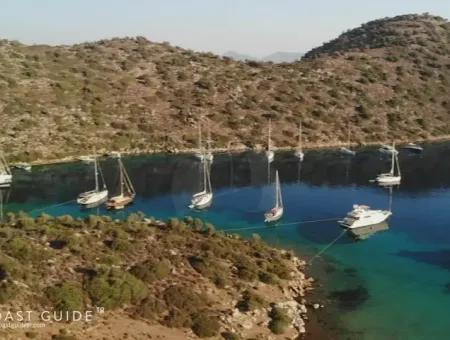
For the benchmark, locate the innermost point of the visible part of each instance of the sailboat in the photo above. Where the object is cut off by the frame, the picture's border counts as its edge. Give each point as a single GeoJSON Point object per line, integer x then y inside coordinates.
{"type": "Point", "coordinates": [209, 156]}
{"type": "Point", "coordinates": [204, 198]}
{"type": "Point", "coordinates": [127, 192]}
{"type": "Point", "coordinates": [299, 152]}
{"type": "Point", "coordinates": [390, 177]}
{"type": "Point", "coordinates": [277, 211]}
{"type": "Point", "coordinates": [200, 154]}
{"type": "Point", "coordinates": [5, 172]}
{"type": "Point", "coordinates": [93, 198]}
{"type": "Point", "coordinates": [346, 150]}
{"type": "Point", "coordinates": [269, 153]}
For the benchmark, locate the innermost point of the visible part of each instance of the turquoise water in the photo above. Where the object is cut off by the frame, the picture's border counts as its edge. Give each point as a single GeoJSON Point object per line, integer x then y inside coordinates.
{"type": "Point", "coordinates": [393, 285]}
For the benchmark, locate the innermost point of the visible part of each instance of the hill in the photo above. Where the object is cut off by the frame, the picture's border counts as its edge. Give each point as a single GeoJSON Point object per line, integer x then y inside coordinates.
{"type": "Point", "coordinates": [145, 279]}
{"type": "Point", "coordinates": [134, 95]}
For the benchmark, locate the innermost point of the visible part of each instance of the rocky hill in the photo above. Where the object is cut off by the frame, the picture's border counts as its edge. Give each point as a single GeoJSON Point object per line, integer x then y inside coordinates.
{"type": "Point", "coordinates": [145, 279]}
{"type": "Point", "coordinates": [134, 95]}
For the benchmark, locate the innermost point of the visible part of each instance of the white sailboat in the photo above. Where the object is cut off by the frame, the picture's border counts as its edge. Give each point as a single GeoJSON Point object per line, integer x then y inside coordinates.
{"type": "Point", "coordinates": [269, 153]}
{"type": "Point", "coordinates": [94, 197]}
{"type": "Point", "coordinates": [204, 198]}
{"type": "Point", "coordinates": [127, 192]}
{"type": "Point", "coordinates": [200, 154]}
{"type": "Point", "coordinates": [5, 172]}
{"type": "Point", "coordinates": [346, 150]}
{"type": "Point", "coordinates": [391, 178]}
{"type": "Point", "coordinates": [299, 152]}
{"type": "Point", "coordinates": [209, 156]}
{"type": "Point", "coordinates": [277, 211]}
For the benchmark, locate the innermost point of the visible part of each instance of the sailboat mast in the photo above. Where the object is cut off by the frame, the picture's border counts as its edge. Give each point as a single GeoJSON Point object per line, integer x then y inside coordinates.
{"type": "Point", "coordinates": [348, 134]}
{"type": "Point", "coordinates": [277, 189]}
{"type": "Point", "coordinates": [269, 135]}
{"type": "Point", "coordinates": [205, 169]}
{"type": "Point", "coordinates": [96, 174]}
{"type": "Point", "coordinates": [393, 160]}
{"type": "Point", "coordinates": [199, 136]}
{"type": "Point", "coordinates": [300, 136]}
{"type": "Point", "coordinates": [120, 176]}
{"type": "Point", "coordinates": [209, 180]}
{"type": "Point", "coordinates": [398, 165]}
{"type": "Point", "coordinates": [1, 206]}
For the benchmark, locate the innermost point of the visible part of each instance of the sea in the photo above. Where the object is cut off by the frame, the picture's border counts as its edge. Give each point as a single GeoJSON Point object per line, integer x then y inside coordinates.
{"type": "Point", "coordinates": [389, 281]}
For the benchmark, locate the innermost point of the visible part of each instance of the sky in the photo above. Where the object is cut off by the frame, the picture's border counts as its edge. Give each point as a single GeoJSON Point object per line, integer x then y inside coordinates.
{"type": "Point", "coordinates": [254, 27]}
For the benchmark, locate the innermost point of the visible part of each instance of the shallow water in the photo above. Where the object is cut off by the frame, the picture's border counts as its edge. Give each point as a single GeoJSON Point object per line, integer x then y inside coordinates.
{"type": "Point", "coordinates": [393, 285]}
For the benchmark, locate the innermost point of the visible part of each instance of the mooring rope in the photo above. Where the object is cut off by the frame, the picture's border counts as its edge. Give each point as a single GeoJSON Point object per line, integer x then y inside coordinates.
{"type": "Point", "coordinates": [327, 246]}
{"type": "Point", "coordinates": [276, 226]}
{"type": "Point", "coordinates": [51, 206]}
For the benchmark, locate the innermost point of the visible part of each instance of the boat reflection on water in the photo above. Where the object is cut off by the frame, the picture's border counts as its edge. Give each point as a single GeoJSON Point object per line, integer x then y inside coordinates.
{"type": "Point", "coordinates": [364, 233]}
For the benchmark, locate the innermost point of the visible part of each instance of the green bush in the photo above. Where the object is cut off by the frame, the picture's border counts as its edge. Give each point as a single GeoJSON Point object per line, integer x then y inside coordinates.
{"type": "Point", "coordinates": [210, 269]}
{"type": "Point", "coordinates": [250, 301]}
{"type": "Point", "coordinates": [280, 321]}
{"type": "Point", "coordinates": [152, 270]}
{"type": "Point", "coordinates": [246, 269]}
{"type": "Point", "coordinates": [184, 299]}
{"type": "Point", "coordinates": [66, 297]}
{"type": "Point", "coordinates": [151, 307]}
{"type": "Point", "coordinates": [178, 319]}
{"type": "Point", "coordinates": [8, 290]}
{"type": "Point", "coordinates": [116, 288]}
{"type": "Point", "coordinates": [205, 325]}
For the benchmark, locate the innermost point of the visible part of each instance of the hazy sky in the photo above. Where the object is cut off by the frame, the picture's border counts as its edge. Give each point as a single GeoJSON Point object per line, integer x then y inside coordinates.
{"type": "Point", "coordinates": [256, 27]}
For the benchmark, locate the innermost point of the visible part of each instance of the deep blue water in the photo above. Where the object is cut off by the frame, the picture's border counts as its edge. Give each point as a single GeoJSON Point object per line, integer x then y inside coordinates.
{"type": "Point", "coordinates": [393, 285]}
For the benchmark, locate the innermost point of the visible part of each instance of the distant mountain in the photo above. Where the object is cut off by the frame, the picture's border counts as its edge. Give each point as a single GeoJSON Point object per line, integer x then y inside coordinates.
{"type": "Point", "coordinates": [277, 57]}
{"type": "Point", "coordinates": [239, 56]}
{"type": "Point", "coordinates": [283, 57]}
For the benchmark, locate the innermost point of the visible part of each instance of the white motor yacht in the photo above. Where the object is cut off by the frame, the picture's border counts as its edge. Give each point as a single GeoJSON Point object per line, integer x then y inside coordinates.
{"type": "Point", "coordinates": [363, 215]}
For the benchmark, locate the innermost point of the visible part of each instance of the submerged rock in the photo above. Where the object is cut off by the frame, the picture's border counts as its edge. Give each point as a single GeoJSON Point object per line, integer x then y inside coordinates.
{"type": "Point", "coordinates": [350, 299]}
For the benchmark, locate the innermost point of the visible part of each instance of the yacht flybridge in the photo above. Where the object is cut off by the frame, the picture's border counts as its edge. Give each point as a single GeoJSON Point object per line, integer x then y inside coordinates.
{"type": "Point", "coordinates": [5, 172]}
{"type": "Point", "coordinates": [363, 216]}
{"type": "Point", "coordinates": [94, 197]}
{"type": "Point", "coordinates": [269, 153]}
{"type": "Point", "coordinates": [204, 198]}
{"type": "Point", "coordinates": [392, 177]}
{"type": "Point", "coordinates": [299, 152]}
{"type": "Point", "coordinates": [277, 211]}
{"type": "Point", "coordinates": [127, 192]}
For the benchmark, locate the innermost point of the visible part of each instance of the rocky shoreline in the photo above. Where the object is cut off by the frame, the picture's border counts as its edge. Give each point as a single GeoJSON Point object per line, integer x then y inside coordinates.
{"type": "Point", "coordinates": [232, 150]}
{"type": "Point", "coordinates": [179, 279]}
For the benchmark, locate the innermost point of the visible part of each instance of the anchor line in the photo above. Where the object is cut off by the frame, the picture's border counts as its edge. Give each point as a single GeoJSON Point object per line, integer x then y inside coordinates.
{"type": "Point", "coordinates": [51, 206]}
{"type": "Point", "coordinates": [282, 225]}
{"type": "Point", "coordinates": [327, 247]}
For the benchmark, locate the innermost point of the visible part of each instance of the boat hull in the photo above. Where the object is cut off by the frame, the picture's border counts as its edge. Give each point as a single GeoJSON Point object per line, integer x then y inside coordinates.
{"type": "Point", "coordinates": [92, 199]}
{"type": "Point", "coordinates": [5, 179]}
{"type": "Point", "coordinates": [119, 202]}
{"type": "Point", "coordinates": [379, 216]}
{"type": "Point", "coordinates": [270, 155]}
{"type": "Point", "coordinates": [201, 201]}
{"type": "Point", "coordinates": [273, 215]}
{"type": "Point", "coordinates": [347, 152]}
{"type": "Point", "coordinates": [388, 180]}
